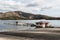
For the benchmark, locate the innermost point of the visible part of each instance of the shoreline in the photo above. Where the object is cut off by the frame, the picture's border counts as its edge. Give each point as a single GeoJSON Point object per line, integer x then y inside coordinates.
{"type": "Point", "coordinates": [51, 34]}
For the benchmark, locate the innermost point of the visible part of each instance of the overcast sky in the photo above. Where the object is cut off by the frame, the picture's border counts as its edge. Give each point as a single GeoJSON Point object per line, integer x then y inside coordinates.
{"type": "Point", "coordinates": [45, 7]}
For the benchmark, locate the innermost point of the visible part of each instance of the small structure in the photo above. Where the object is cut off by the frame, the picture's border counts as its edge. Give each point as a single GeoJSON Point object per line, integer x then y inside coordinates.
{"type": "Point", "coordinates": [42, 24]}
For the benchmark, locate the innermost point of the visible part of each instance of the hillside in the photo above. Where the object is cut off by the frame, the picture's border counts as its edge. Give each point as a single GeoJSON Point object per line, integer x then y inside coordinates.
{"type": "Point", "coordinates": [19, 15]}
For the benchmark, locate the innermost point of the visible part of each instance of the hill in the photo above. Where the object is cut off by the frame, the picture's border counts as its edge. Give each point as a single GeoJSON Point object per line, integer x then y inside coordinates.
{"type": "Point", "coordinates": [19, 15]}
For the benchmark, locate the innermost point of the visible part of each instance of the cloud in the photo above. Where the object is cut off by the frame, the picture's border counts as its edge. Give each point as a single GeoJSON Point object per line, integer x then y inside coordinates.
{"type": "Point", "coordinates": [10, 5]}
{"type": "Point", "coordinates": [32, 6]}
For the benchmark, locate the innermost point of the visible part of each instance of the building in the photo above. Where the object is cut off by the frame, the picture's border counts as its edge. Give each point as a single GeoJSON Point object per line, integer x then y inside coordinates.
{"type": "Point", "coordinates": [42, 24]}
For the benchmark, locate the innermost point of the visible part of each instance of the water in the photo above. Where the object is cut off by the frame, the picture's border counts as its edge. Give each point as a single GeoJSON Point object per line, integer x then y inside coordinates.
{"type": "Point", "coordinates": [8, 27]}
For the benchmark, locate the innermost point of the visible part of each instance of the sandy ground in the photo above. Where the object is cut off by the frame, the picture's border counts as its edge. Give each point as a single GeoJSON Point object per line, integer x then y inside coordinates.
{"type": "Point", "coordinates": [34, 37]}
{"type": "Point", "coordinates": [9, 37]}
{"type": "Point", "coordinates": [36, 34]}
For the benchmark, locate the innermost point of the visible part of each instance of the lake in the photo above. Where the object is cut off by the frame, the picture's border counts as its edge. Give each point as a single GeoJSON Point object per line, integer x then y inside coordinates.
{"type": "Point", "coordinates": [4, 26]}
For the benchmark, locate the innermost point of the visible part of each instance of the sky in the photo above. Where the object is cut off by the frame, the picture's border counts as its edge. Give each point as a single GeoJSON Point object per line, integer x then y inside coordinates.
{"type": "Point", "coordinates": [44, 7]}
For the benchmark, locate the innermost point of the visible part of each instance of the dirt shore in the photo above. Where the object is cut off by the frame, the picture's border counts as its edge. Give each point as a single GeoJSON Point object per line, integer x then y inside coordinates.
{"type": "Point", "coordinates": [9, 37]}
{"type": "Point", "coordinates": [36, 34]}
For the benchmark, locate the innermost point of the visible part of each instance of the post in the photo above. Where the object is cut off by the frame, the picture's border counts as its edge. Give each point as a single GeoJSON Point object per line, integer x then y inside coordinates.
{"type": "Point", "coordinates": [16, 22]}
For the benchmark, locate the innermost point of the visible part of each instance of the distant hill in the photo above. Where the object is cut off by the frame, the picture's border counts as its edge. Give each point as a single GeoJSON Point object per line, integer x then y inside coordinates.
{"type": "Point", "coordinates": [19, 15]}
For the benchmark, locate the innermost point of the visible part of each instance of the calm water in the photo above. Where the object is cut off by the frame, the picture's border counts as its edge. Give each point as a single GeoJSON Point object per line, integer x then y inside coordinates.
{"type": "Point", "coordinates": [4, 26]}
